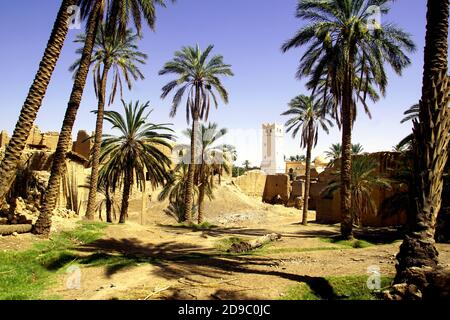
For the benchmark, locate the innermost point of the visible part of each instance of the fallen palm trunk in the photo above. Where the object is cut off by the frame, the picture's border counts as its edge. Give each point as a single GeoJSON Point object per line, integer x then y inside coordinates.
{"type": "Point", "coordinates": [6, 230]}
{"type": "Point", "coordinates": [245, 246]}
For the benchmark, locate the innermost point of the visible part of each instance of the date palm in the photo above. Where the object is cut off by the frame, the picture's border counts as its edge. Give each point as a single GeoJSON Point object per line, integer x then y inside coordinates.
{"type": "Point", "coordinates": [307, 113]}
{"type": "Point", "coordinates": [96, 10]}
{"type": "Point", "coordinates": [351, 56]}
{"type": "Point", "coordinates": [121, 56]}
{"type": "Point", "coordinates": [214, 156]}
{"type": "Point", "coordinates": [334, 152]}
{"type": "Point", "coordinates": [430, 146]}
{"type": "Point", "coordinates": [357, 149]}
{"type": "Point", "coordinates": [365, 179]}
{"type": "Point", "coordinates": [128, 157]}
{"type": "Point", "coordinates": [34, 99]}
{"type": "Point", "coordinates": [198, 77]}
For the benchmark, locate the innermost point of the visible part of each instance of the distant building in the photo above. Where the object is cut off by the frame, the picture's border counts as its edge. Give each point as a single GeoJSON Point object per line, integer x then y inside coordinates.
{"type": "Point", "coordinates": [273, 149]}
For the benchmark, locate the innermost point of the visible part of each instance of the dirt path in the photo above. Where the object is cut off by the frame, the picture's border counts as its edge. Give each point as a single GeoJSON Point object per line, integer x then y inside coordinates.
{"type": "Point", "coordinates": [174, 263]}
{"type": "Point", "coordinates": [160, 260]}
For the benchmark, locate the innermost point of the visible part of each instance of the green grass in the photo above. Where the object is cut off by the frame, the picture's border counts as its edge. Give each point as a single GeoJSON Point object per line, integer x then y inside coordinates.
{"type": "Point", "coordinates": [355, 243]}
{"type": "Point", "coordinates": [224, 244]}
{"type": "Point", "coordinates": [26, 274]}
{"type": "Point", "coordinates": [197, 227]}
{"type": "Point", "coordinates": [344, 288]}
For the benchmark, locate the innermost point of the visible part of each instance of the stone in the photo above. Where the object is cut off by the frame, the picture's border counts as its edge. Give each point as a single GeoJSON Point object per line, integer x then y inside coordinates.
{"type": "Point", "coordinates": [15, 234]}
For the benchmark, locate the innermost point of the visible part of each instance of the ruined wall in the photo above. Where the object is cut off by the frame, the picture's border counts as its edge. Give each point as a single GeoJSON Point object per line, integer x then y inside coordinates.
{"type": "Point", "coordinates": [50, 140]}
{"type": "Point", "coordinates": [328, 208]}
{"type": "Point", "coordinates": [34, 137]}
{"type": "Point", "coordinates": [277, 185]}
{"type": "Point", "coordinates": [83, 144]}
{"type": "Point", "coordinates": [252, 183]}
{"type": "Point", "coordinates": [4, 139]}
{"type": "Point", "coordinates": [297, 191]}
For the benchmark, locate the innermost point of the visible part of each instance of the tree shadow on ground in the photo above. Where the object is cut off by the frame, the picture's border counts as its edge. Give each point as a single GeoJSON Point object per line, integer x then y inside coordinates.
{"type": "Point", "coordinates": [174, 260]}
{"type": "Point", "coordinates": [382, 235]}
{"type": "Point", "coordinates": [242, 231]}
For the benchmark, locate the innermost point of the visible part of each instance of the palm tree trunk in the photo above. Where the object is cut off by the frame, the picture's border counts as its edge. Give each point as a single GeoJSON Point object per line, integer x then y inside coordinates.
{"type": "Point", "coordinates": [125, 197]}
{"type": "Point", "coordinates": [43, 224]}
{"type": "Point", "coordinates": [308, 178]}
{"type": "Point", "coordinates": [431, 143]}
{"type": "Point", "coordinates": [34, 99]}
{"type": "Point", "coordinates": [201, 202]}
{"type": "Point", "coordinates": [97, 144]}
{"type": "Point", "coordinates": [346, 160]}
{"type": "Point", "coordinates": [108, 205]}
{"type": "Point", "coordinates": [189, 192]}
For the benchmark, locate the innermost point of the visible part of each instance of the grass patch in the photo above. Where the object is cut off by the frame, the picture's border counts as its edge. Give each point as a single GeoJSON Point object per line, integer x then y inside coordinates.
{"type": "Point", "coordinates": [355, 243]}
{"type": "Point", "coordinates": [337, 288]}
{"type": "Point", "coordinates": [26, 274]}
{"type": "Point", "coordinates": [224, 244]}
{"type": "Point", "coordinates": [198, 227]}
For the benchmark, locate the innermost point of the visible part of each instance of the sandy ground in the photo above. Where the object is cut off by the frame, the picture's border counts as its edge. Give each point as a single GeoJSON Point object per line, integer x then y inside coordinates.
{"type": "Point", "coordinates": [187, 265]}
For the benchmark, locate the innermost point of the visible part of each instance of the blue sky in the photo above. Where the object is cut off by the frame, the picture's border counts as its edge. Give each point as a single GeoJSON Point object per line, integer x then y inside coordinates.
{"type": "Point", "coordinates": [248, 33]}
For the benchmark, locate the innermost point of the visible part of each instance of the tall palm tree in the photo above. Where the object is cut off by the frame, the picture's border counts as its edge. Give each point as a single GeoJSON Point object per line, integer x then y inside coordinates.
{"type": "Point", "coordinates": [136, 151]}
{"type": "Point", "coordinates": [34, 99]}
{"type": "Point", "coordinates": [351, 57]}
{"type": "Point", "coordinates": [431, 141]}
{"type": "Point", "coordinates": [43, 224]}
{"type": "Point", "coordinates": [121, 56]}
{"type": "Point", "coordinates": [307, 114]}
{"type": "Point", "coordinates": [365, 179]}
{"type": "Point", "coordinates": [246, 164]}
{"type": "Point", "coordinates": [198, 77]}
{"type": "Point", "coordinates": [215, 158]}
{"type": "Point", "coordinates": [96, 10]}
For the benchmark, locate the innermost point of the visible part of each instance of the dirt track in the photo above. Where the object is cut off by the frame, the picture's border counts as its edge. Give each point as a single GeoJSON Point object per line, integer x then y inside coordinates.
{"type": "Point", "coordinates": [160, 260]}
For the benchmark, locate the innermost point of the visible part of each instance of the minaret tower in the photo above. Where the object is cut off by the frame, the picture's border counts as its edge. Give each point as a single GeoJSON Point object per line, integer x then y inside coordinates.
{"type": "Point", "coordinates": [273, 149]}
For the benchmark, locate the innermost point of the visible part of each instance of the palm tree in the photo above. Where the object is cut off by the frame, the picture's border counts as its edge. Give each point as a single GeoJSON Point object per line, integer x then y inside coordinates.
{"type": "Point", "coordinates": [347, 58]}
{"type": "Point", "coordinates": [199, 78]}
{"type": "Point", "coordinates": [431, 141]}
{"type": "Point", "coordinates": [95, 10]}
{"type": "Point", "coordinates": [127, 158]}
{"type": "Point", "coordinates": [334, 152]}
{"type": "Point", "coordinates": [175, 188]}
{"type": "Point", "coordinates": [246, 164]}
{"type": "Point", "coordinates": [406, 144]}
{"type": "Point", "coordinates": [365, 179]}
{"type": "Point", "coordinates": [121, 56]}
{"type": "Point", "coordinates": [357, 149]}
{"type": "Point", "coordinates": [307, 114]}
{"type": "Point", "coordinates": [412, 113]}
{"type": "Point", "coordinates": [215, 158]}
{"type": "Point", "coordinates": [34, 99]}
